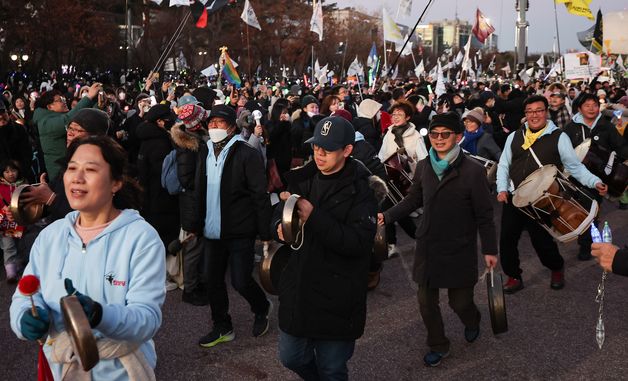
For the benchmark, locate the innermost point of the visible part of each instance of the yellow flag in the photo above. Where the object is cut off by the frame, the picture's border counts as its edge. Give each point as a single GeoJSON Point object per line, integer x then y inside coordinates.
{"type": "Point", "coordinates": [578, 7]}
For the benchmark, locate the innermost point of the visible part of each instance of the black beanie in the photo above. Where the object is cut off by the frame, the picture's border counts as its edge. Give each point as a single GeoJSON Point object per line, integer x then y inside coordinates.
{"type": "Point", "coordinates": [449, 120]}
{"type": "Point", "coordinates": [307, 100]}
{"type": "Point", "coordinates": [93, 121]}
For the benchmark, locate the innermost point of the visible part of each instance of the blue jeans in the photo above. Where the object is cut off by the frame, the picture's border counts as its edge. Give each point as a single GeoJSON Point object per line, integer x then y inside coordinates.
{"type": "Point", "coordinates": [238, 256]}
{"type": "Point", "coordinates": [315, 359]}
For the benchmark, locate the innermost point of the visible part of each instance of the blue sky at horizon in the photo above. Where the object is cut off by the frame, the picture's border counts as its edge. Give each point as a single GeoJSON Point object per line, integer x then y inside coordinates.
{"type": "Point", "coordinates": [541, 32]}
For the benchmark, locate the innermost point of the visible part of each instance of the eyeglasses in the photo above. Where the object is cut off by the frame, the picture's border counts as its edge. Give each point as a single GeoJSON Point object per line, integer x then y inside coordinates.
{"type": "Point", "coordinates": [535, 112]}
{"type": "Point", "coordinates": [59, 100]}
{"type": "Point", "coordinates": [75, 130]}
{"type": "Point", "coordinates": [217, 122]}
{"type": "Point", "coordinates": [443, 135]}
{"type": "Point", "coordinates": [399, 114]}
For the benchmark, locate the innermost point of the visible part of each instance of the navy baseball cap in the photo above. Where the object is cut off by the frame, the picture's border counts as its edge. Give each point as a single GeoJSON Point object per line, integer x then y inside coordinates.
{"type": "Point", "coordinates": [333, 133]}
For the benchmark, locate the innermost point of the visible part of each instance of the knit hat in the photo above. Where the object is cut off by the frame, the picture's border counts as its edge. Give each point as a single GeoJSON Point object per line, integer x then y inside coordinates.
{"type": "Point", "coordinates": [333, 133]}
{"type": "Point", "coordinates": [225, 112]}
{"type": "Point", "coordinates": [188, 99]}
{"type": "Point", "coordinates": [93, 121]}
{"type": "Point", "coordinates": [476, 115]}
{"type": "Point", "coordinates": [307, 100]}
{"type": "Point", "coordinates": [192, 116]}
{"type": "Point", "coordinates": [601, 92]}
{"type": "Point", "coordinates": [368, 108]}
{"type": "Point", "coordinates": [343, 114]}
{"type": "Point", "coordinates": [159, 111]}
{"type": "Point", "coordinates": [206, 96]}
{"type": "Point", "coordinates": [449, 120]}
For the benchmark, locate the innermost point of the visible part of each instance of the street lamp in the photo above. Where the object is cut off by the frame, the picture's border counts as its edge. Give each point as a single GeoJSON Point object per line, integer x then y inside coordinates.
{"type": "Point", "coordinates": [19, 59]}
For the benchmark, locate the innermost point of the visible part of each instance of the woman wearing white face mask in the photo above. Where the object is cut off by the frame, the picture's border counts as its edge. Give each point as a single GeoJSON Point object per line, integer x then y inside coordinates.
{"type": "Point", "coordinates": [303, 129]}
{"type": "Point", "coordinates": [234, 208]}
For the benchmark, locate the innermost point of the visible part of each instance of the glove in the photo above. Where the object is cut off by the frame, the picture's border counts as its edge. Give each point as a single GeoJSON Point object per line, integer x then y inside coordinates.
{"type": "Point", "coordinates": [92, 309]}
{"type": "Point", "coordinates": [34, 328]}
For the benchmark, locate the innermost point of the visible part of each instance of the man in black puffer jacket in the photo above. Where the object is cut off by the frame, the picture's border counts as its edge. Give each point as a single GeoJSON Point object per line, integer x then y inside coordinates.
{"type": "Point", "coordinates": [233, 209]}
{"type": "Point", "coordinates": [322, 291]}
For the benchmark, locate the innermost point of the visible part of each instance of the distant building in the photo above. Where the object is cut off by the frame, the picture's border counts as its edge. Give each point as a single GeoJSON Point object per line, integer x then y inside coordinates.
{"type": "Point", "coordinates": [438, 36]}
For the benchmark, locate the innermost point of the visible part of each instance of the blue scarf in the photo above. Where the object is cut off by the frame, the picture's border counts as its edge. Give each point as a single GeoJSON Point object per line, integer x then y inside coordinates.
{"type": "Point", "coordinates": [470, 142]}
{"type": "Point", "coordinates": [440, 166]}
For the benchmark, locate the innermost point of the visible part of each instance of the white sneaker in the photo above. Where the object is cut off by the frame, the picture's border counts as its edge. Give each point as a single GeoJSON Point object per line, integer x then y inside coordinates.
{"type": "Point", "coordinates": [392, 250]}
{"type": "Point", "coordinates": [170, 285]}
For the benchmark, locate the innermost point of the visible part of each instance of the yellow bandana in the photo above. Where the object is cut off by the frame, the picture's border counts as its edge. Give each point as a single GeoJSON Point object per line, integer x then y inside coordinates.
{"type": "Point", "coordinates": [530, 137]}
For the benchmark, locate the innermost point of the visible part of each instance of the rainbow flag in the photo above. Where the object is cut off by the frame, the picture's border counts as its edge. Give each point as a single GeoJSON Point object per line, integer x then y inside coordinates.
{"type": "Point", "coordinates": [230, 73]}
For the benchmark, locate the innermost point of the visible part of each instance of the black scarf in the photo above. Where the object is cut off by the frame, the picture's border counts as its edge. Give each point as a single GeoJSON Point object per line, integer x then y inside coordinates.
{"type": "Point", "coordinates": [398, 131]}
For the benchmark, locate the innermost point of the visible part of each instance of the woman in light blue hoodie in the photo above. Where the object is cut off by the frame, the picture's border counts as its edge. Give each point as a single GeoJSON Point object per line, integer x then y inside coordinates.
{"type": "Point", "coordinates": [108, 256]}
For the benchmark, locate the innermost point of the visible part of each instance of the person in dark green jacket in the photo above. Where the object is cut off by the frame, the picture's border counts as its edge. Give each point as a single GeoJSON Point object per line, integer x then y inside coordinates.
{"type": "Point", "coordinates": [51, 117]}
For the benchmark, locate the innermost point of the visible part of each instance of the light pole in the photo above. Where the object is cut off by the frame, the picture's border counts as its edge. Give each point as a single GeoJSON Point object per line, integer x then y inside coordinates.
{"type": "Point", "coordinates": [19, 59]}
{"type": "Point", "coordinates": [521, 38]}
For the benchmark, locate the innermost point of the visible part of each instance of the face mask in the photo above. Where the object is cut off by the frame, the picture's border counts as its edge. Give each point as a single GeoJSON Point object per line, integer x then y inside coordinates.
{"type": "Point", "coordinates": [217, 134]}
{"type": "Point", "coordinates": [122, 96]}
{"type": "Point", "coordinates": [347, 98]}
{"type": "Point", "coordinates": [311, 114]}
{"type": "Point", "coordinates": [146, 108]}
{"type": "Point", "coordinates": [84, 95]}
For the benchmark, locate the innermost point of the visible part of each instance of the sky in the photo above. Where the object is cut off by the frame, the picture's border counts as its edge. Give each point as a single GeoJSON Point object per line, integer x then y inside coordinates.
{"type": "Point", "coordinates": [541, 32]}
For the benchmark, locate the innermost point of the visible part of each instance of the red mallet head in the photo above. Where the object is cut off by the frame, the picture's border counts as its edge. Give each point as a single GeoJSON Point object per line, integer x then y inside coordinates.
{"type": "Point", "coordinates": [28, 285]}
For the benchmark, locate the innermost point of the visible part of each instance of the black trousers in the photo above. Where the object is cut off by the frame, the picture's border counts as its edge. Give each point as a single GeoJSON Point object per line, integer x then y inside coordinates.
{"type": "Point", "coordinates": [513, 223]}
{"type": "Point", "coordinates": [460, 300]}
{"type": "Point", "coordinates": [238, 255]}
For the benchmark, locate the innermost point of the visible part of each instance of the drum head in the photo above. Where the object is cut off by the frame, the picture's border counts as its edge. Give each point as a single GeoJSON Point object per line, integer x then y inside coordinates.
{"type": "Point", "coordinates": [290, 222]}
{"type": "Point", "coordinates": [24, 214]}
{"type": "Point", "coordinates": [272, 266]}
{"type": "Point", "coordinates": [496, 303]}
{"type": "Point", "coordinates": [534, 186]}
{"type": "Point", "coordinates": [80, 332]}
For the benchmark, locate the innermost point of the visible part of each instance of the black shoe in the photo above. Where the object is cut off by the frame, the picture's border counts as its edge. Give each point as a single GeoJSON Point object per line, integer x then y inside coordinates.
{"type": "Point", "coordinates": [434, 358]}
{"type": "Point", "coordinates": [261, 323]}
{"type": "Point", "coordinates": [623, 206]}
{"type": "Point", "coordinates": [471, 334]}
{"type": "Point", "coordinates": [216, 336]}
{"type": "Point", "coordinates": [197, 297]}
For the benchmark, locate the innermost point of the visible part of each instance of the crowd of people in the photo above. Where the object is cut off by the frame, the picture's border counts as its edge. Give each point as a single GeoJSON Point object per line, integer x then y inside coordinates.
{"type": "Point", "coordinates": [129, 177]}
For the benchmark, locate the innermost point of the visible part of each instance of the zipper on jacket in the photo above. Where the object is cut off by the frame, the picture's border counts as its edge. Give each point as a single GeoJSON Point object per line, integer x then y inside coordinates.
{"type": "Point", "coordinates": [83, 248]}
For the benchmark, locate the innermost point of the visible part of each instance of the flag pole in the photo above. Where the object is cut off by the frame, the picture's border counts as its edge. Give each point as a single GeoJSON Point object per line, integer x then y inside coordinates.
{"type": "Point", "coordinates": [557, 35]}
{"type": "Point", "coordinates": [248, 50]}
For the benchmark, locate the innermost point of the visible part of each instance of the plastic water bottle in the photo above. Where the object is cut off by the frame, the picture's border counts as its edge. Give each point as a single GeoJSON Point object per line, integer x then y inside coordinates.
{"type": "Point", "coordinates": [607, 236]}
{"type": "Point", "coordinates": [595, 234]}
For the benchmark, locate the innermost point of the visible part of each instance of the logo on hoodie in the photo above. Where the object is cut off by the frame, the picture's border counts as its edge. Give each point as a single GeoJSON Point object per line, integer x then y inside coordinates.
{"type": "Point", "coordinates": [111, 278]}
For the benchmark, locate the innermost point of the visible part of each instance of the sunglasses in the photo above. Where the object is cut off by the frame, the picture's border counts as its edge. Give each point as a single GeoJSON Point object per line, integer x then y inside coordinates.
{"type": "Point", "coordinates": [444, 135]}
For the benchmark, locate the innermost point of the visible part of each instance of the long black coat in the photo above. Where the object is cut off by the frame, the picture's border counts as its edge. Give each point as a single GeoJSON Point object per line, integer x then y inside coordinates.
{"type": "Point", "coordinates": [160, 209]}
{"type": "Point", "coordinates": [454, 210]}
{"type": "Point", "coordinates": [15, 145]}
{"type": "Point", "coordinates": [322, 292]}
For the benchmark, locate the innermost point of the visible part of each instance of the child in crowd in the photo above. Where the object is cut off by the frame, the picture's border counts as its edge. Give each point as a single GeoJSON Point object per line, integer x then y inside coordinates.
{"type": "Point", "coordinates": [11, 178]}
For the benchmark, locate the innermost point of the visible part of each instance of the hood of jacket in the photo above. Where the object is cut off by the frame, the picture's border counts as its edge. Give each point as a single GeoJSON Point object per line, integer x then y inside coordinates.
{"type": "Point", "coordinates": [187, 140]}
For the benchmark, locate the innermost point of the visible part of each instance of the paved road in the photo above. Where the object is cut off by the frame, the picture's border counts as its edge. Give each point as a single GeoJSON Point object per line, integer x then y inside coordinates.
{"type": "Point", "coordinates": [551, 336]}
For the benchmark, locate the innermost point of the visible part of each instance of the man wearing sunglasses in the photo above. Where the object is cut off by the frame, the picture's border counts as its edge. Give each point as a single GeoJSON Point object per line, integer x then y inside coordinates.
{"type": "Point", "coordinates": [454, 193]}
{"type": "Point", "coordinates": [537, 140]}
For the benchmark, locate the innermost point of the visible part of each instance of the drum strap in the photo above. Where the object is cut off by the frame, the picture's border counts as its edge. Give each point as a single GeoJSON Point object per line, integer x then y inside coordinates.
{"type": "Point", "coordinates": [538, 162]}
{"type": "Point", "coordinates": [584, 137]}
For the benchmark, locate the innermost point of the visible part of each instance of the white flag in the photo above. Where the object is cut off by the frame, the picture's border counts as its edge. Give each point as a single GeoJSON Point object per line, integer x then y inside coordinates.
{"type": "Point", "coordinates": [210, 71]}
{"type": "Point", "coordinates": [158, 2]}
{"type": "Point", "coordinates": [248, 16]}
{"type": "Point", "coordinates": [407, 50]}
{"type": "Point", "coordinates": [466, 62]}
{"type": "Point", "coordinates": [354, 68]}
{"type": "Point", "coordinates": [316, 23]}
{"type": "Point", "coordinates": [391, 30]}
{"type": "Point", "coordinates": [459, 58]}
{"type": "Point", "coordinates": [556, 69]}
{"type": "Point", "coordinates": [405, 8]}
{"type": "Point", "coordinates": [541, 61]}
{"type": "Point", "coordinates": [284, 71]}
{"type": "Point", "coordinates": [185, 3]}
{"type": "Point", "coordinates": [434, 72]}
{"type": "Point", "coordinates": [491, 65]}
{"type": "Point", "coordinates": [619, 63]}
{"type": "Point", "coordinates": [317, 68]}
{"type": "Point", "coordinates": [440, 82]}
{"type": "Point", "coordinates": [395, 72]}
{"type": "Point", "coordinates": [420, 69]}
{"type": "Point", "coordinates": [507, 68]}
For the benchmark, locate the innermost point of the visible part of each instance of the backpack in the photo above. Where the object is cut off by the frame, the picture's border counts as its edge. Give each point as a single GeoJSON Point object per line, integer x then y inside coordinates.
{"type": "Point", "coordinates": [169, 179]}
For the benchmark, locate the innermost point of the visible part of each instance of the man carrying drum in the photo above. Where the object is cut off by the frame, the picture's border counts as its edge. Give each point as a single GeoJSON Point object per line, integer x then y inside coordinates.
{"type": "Point", "coordinates": [538, 143]}
{"type": "Point", "coordinates": [589, 123]}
